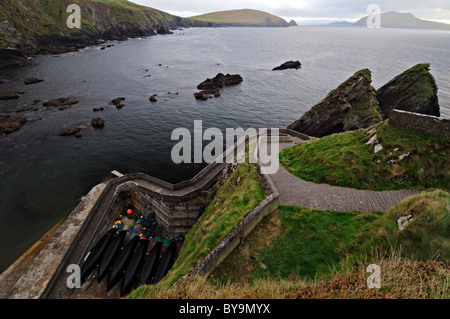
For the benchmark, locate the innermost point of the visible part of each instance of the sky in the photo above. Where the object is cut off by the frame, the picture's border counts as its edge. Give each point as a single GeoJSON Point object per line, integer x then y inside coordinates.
{"type": "Point", "coordinates": [307, 11]}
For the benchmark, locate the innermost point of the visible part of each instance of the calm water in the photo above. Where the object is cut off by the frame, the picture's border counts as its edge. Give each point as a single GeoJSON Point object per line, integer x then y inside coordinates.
{"type": "Point", "coordinates": [43, 176]}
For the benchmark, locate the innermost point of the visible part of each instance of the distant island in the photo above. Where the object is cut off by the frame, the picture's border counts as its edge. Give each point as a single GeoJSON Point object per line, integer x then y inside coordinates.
{"type": "Point", "coordinates": [395, 19]}
{"type": "Point", "coordinates": [244, 17]}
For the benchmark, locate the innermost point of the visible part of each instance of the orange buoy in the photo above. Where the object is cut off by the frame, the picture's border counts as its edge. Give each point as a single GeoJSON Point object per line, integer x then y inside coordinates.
{"type": "Point", "coordinates": [129, 212]}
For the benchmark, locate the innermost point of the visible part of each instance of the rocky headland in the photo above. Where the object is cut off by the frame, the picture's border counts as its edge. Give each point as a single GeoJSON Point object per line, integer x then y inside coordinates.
{"type": "Point", "coordinates": [356, 104]}
{"type": "Point", "coordinates": [30, 27]}
{"type": "Point", "coordinates": [351, 106]}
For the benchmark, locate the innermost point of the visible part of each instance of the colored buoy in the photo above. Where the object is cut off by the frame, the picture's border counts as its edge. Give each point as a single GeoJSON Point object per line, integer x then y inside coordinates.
{"type": "Point", "coordinates": [129, 212]}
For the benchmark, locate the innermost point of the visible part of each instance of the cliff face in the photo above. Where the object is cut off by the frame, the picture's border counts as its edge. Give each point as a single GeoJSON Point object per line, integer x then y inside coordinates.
{"type": "Point", "coordinates": [353, 105]}
{"type": "Point", "coordinates": [414, 90]}
{"type": "Point", "coordinates": [39, 26]}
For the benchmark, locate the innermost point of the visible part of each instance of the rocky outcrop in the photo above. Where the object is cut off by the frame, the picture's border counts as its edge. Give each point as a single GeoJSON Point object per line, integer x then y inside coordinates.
{"type": "Point", "coordinates": [29, 81]}
{"type": "Point", "coordinates": [61, 103]}
{"type": "Point", "coordinates": [118, 102]}
{"type": "Point", "coordinates": [211, 87]}
{"type": "Point", "coordinates": [10, 95]}
{"type": "Point", "coordinates": [10, 124]}
{"type": "Point", "coordinates": [353, 105]}
{"type": "Point", "coordinates": [30, 28]}
{"type": "Point", "coordinates": [288, 65]}
{"type": "Point", "coordinates": [414, 90]}
{"type": "Point", "coordinates": [219, 81]}
{"type": "Point", "coordinates": [70, 131]}
{"type": "Point", "coordinates": [98, 122]}
{"type": "Point", "coordinates": [13, 56]}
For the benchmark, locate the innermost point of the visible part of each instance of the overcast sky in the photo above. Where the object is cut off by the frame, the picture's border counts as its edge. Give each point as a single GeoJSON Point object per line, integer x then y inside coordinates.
{"type": "Point", "coordinates": [307, 11]}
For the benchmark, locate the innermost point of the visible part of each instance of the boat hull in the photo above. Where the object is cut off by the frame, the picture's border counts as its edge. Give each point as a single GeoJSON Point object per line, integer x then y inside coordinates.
{"type": "Point", "coordinates": [121, 262]}
{"type": "Point", "coordinates": [110, 255]}
{"type": "Point", "coordinates": [150, 265]}
{"type": "Point", "coordinates": [134, 266]}
{"type": "Point", "coordinates": [166, 262]}
{"type": "Point", "coordinates": [96, 254]}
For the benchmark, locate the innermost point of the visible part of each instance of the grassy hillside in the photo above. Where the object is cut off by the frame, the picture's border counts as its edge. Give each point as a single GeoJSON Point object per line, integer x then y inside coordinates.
{"type": "Point", "coordinates": [300, 252]}
{"type": "Point", "coordinates": [408, 159]}
{"type": "Point", "coordinates": [243, 17]}
{"type": "Point", "coordinates": [237, 197]}
{"type": "Point", "coordinates": [28, 24]}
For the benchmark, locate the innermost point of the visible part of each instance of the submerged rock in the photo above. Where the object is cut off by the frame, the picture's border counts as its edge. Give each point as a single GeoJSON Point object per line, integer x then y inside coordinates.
{"type": "Point", "coordinates": [414, 90]}
{"type": "Point", "coordinates": [353, 105]}
{"type": "Point", "coordinates": [70, 131]}
{"type": "Point", "coordinates": [10, 124]}
{"type": "Point", "coordinates": [29, 81]}
{"type": "Point", "coordinates": [62, 103]}
{"type": "Point", "coordinates": [288, 65]}
{"type": "Point", "coordinates": [10, 95]}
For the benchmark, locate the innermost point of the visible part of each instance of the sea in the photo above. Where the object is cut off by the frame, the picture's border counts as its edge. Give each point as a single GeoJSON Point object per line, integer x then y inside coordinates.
{"type": "Point", "coordinates": [44, 176]}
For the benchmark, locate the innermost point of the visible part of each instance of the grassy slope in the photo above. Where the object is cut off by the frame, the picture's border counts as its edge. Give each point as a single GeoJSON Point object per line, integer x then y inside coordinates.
{"type": "Point", "coordinates": [232, 202]}
{"type": "Point", "coordinates": [344, 160]}
{"type": "Point", "coordinates": [324, 254]}
{"type": "Point", "coordinates": [400, 279]}
{"type": "Point", "coordinates": [48, 17]}
{"type": "Point", "coordinates": [245, 16]}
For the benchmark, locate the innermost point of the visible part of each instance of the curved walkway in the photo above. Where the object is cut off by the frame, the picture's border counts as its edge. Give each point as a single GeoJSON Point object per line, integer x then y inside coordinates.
{"type": "Point", "coordinates": [297, 192]}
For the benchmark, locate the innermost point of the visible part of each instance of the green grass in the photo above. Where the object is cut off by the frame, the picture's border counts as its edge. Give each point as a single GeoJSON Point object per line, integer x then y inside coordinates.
{"type": "Point", "coordinates": [344, 160]}
{"type": "Point", "coordinates": [48, 17]}
{"type": "Point", "coordinates": [325, 254]}
{"type": "Point", "coordinates": [426, 237]}
{"type": "Point", "coordinates": [312, 241]}
{"type": "Point", "coordinates": [233, 201]}
{"type": "Point", "coordinates": [245, 16]}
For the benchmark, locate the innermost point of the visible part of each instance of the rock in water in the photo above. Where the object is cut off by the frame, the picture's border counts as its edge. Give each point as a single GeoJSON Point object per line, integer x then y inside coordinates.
{"type": "Point", "coordinates": [414, 90]}
{"type": "Point", "coordinates": [62, 103]}
{"type": "Point", "coordinates": [70, 131]}
{"type": "Point", "coordinates": [289, 65]}
{"type": "Point", "coordinates": [353, 105]}
{"type": "Point", "coordinates": [29, 81]}
{"type": "Point", "coordinates": [118, 102]}
{"type": "Point", "coordinates": [219, 81]}
{"type": "Point", "coordinates": [11, 124]}
{"type": "Point", "coordinates": [98, 122]}
{"type": "Point", "coordinates": [10, 95]}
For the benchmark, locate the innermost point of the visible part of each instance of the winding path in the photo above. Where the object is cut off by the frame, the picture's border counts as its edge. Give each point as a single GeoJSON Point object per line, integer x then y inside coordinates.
{"type": "Point", "coordinates": [297, 192]}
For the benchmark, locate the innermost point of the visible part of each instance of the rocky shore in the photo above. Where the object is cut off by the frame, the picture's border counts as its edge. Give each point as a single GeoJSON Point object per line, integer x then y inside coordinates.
{"type": "Point", "coordinates": [27, 32]}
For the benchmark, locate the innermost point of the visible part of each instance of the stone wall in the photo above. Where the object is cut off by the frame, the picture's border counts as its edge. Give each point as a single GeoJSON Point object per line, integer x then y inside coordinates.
{"type": "Point", "coordinates": [176, 206]}
{"type": "Point", "coordinates": [436, 126]}
{"type": "Point", "coordinates": [239, 233]}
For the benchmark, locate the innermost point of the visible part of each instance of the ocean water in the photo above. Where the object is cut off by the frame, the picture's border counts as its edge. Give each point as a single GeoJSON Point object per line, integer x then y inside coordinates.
{"type": "Point", "coordinates": [43, 176]}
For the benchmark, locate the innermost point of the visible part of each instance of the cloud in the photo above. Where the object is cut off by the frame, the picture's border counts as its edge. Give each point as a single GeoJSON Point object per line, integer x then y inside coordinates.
{"type": "Point", "coordinates": [314, 9]}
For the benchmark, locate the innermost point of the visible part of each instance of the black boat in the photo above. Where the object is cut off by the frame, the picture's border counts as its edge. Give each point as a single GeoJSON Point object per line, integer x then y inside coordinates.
{"type": "Point", "coordinates": [121, 263]}
{"type": "Point", "coordinates": [150, 265]}
{"type": "Point", "coordinates": [110, 254]}
{"type": "Point", "coordinates": [134, 266]}
{"type": "Point", "coordinates": [96, 254]}
{"type": "Point", "coordinates": [166, 262]}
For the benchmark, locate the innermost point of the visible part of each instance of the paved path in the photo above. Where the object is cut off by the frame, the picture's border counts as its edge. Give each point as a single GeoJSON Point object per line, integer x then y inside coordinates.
{"type": "Point", "coordinates": [297, 192]}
